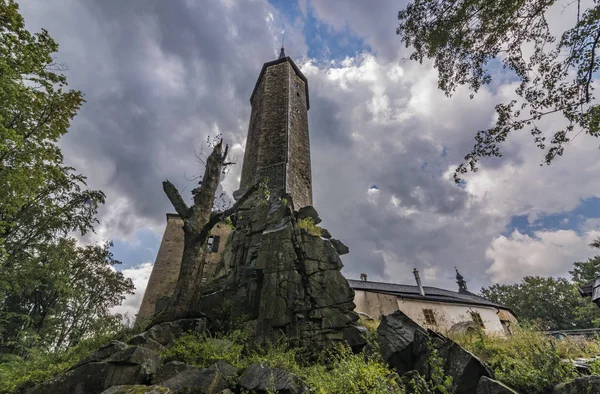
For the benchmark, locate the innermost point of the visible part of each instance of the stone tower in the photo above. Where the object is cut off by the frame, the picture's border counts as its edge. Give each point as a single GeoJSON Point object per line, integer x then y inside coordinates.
{"type": "Point", "coordinates": [277, 149]}
{"type": "Point", "coordinates": [277, 146]}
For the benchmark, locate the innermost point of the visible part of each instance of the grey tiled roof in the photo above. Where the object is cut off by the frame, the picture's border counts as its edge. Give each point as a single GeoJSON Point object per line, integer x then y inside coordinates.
{"type": "Point", "coordinates": [431, 293]}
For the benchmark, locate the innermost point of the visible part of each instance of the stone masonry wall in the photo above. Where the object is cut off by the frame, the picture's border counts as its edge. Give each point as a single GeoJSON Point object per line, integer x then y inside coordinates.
{"type": "Point", "coordinates": [168, 262]}
{"type": "Point", "coordinates": [212, 260]}
{"type": "Point", "coordinates": [299, 180]}
{"type": "Point", "coordinates": [277, 146]}
{"type": "Point", "coordinates": [166, 267]}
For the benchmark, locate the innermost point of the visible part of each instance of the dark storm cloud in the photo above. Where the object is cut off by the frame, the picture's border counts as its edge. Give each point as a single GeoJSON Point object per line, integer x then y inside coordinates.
{"type": "Point", "coordinates": [159, 77]}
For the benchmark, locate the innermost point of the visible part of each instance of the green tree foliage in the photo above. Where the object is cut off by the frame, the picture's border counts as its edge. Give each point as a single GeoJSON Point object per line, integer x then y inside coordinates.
{"type": "Point", "coordinates": [556, 76]}
{"type": "Point", "coordinates": [52, 292]}
{"type": "Point", "coordinates": [586, 271]}
{"type": "Point", "coordinates": [548, 303]}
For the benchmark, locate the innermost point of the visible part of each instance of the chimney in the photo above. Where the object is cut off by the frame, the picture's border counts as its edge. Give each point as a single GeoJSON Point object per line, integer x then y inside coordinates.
{"type": "Point", "coordinates": [363, 277]}
{"type": "Point", "coordinates": [418, 279]}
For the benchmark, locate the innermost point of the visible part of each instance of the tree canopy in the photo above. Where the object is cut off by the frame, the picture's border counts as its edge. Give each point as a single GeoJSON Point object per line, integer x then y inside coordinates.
{"type": "Point", "coordinates": [52, 290]}
{"type": "Point", "coordinates": [551, 303]}
{"type": "Point", "coordinates": [466, 38]}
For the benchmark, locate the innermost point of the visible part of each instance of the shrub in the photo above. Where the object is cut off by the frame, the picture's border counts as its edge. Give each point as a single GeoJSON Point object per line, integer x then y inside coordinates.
{"type": "Point", "coordinates": [39, 365]}
{"type": "Point", "coordinates": [309, 225]}
{"type": "Point", "coordinates": [528, 361]}
{"type": "Point", "coordinates": [349, 373]}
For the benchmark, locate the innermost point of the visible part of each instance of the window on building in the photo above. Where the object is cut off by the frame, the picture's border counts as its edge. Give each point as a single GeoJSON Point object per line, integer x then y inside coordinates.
{"type": "Point", "coordinates": [429, 316]}
{"type": "Point", "coordinates": [477, 319]}
{"type": "Point", "coordinates": [212, 244]}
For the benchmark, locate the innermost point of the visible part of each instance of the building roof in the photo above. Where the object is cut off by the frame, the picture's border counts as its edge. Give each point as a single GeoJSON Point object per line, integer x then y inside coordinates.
{"type": "Point", "coordinates": [431, 293]}
{"type": "Point", "coordinates": [296, 70]}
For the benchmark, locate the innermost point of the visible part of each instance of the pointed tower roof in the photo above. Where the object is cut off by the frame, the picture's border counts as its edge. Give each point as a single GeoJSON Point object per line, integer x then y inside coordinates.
{"type": "Point", "coordinates": [282, 58]}
{"type": "Point", "coordinates": [462, 284]}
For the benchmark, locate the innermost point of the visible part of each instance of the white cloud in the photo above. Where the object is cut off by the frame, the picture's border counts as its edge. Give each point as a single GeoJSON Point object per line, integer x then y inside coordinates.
{"type": "Point", "coordinates": [375, 119]}
{"type": "Point", "coordinates": [139, 275]}
{"type": "Point", "coordinates": [547, 253]}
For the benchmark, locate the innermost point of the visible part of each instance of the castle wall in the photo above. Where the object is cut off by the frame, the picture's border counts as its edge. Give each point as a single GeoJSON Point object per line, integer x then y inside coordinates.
{"type": "Point", "coordinates": [165, 272]}
{"type": "Point", "coordinates": [212, 260]}
{"type": "Point", "coordinates": [166, 267]}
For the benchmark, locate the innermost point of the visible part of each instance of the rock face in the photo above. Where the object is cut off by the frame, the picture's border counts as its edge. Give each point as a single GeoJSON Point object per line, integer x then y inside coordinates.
{"type": "Point", "coordinates": [586, 384]}
{"type": "Point", "coordinates": [407, 347]}
{"type": "Point", "coordinates": [280, 278]}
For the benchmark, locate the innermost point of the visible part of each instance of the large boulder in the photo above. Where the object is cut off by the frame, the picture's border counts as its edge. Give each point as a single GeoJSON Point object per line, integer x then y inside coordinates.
{"type": "Point", "coordinates": [141, 356]}
{"type": "Point", "coordinates": [130, 366]}
{"type": "Point", "coordinates": [92, 378]}
{"type": "Point", "coordinates": [169, 370]}
{"type": "Point", "coordinates": [466, 369]}
{"type": "Point", "coordinates": [260, 379]}
{"type": "Point", "coordinates": [395, 336]}
{"type": "Point", "coordinates": [581, 385]}
{"type": "Point", "coordinates": [103, 353]}
{"type": "Point", "coordinates": [406, 346]}
{"type": "Point", "coordinates": [198, 381]}
{"type": "Point", "coordinates": [490, 386]}
{"type": "Point", "coordinates": [308, 212]}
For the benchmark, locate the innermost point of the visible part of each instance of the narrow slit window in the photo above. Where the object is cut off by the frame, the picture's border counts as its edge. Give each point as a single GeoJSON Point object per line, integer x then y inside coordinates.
{"type": "Point", "coordinates": [212, 244]}
{"type": "Point", "coordinates": [429, 316]}
{"type": "Point", "coordinates": [477, 319]}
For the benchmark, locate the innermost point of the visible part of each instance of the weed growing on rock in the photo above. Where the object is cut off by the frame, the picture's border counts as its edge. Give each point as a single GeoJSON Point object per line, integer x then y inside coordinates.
{"type": "Point", "coordinates": [309, 225]}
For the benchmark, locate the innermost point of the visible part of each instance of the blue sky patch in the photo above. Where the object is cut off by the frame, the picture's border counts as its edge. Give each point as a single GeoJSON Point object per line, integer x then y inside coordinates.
{"type": "Point", "coordinates": [324, 43]}
{"type": "Point", "coordinates": [572, 220]}
{"type": "Point", "coordinates": [142, 249]}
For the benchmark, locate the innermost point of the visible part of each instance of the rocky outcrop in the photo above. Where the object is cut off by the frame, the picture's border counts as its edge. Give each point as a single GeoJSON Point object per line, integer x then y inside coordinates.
{"type": "Point", "coordinates": [585, 384]}
{"type": "Point", "coordinates": [261, 379]}
{"type": "Point", "coordinates": [280, 278]}
{"type": "Point", "coordinates": [407, 347]}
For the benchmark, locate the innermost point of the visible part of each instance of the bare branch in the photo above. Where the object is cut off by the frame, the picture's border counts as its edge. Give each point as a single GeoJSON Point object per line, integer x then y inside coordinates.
{"type": "Point", "coordinates": [171, 191]}
{"type": "Point", "coordinates": [219, 216]}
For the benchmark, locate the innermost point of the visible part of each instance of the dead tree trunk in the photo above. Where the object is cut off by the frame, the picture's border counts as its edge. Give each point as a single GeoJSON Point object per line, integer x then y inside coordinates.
{"type": "Point", "coordinates": [198, 220]}
{"type": "Point", "coordinates": [195, 220]}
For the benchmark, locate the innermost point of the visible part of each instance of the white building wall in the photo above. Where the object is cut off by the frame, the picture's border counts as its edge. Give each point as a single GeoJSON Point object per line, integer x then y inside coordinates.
{"type": "Point", "coordinates": [446, 314]}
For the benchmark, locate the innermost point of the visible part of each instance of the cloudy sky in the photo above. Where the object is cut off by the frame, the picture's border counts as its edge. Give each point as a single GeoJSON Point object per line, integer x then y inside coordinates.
{"type": "Point", "coordinates": [161, 76]}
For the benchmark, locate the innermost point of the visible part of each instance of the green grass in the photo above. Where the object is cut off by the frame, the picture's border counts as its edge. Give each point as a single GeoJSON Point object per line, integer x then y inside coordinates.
{"type": "Point", "coordinates": [18, 373]}
{"type": "Point", "coordinates": [339, 371]}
